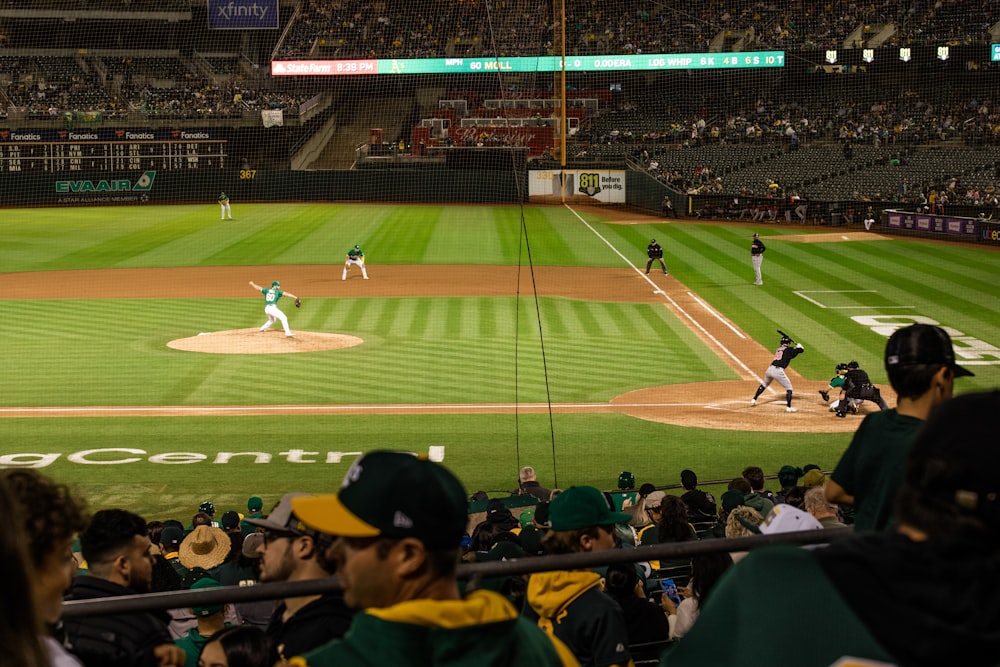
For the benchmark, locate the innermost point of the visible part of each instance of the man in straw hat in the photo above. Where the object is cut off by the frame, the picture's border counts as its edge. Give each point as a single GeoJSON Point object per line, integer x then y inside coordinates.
{"type": "Point", "coordinates": [400, 521]}
{"type": "Point", "coordinates": [205, 548]}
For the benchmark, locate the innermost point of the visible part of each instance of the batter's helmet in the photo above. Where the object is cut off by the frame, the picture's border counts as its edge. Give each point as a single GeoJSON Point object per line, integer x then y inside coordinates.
{"type": "Point", "coordinates": [785, 340]}
{"type": "Point", "coordinates": [208, 507]}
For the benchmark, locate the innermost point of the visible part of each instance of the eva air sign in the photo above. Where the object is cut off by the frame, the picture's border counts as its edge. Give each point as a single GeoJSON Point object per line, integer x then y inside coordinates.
{"type": "Point", "coordinates": [144, 184]}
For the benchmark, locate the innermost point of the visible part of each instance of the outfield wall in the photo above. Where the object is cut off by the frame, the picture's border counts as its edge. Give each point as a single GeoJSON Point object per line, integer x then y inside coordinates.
{"type": "Point", "coordinates": [395, 184]}
{"type": "Point", "coordinates": [465, 181]}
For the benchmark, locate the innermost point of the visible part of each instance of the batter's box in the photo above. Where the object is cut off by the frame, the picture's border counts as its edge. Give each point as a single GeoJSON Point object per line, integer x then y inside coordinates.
{"type": "Point", "coordinates": [852, 299]}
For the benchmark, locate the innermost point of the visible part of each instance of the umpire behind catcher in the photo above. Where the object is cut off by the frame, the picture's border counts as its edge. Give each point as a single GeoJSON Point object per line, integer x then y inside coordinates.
{"type": "Point", "coordinates": [655, 252]}
{"type": "Point", "coordinates": [858, 388]}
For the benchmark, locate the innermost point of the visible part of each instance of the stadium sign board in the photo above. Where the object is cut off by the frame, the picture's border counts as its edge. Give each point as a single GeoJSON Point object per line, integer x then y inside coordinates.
{"type": "Point", "coordinates": [242, 14]}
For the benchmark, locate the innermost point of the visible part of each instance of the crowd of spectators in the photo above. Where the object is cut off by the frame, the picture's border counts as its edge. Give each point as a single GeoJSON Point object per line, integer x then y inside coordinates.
{"type": "Point", "coordinates": [480, 28]}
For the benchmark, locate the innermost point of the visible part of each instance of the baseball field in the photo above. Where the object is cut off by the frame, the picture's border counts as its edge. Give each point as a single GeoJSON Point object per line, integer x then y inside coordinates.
{"type": "Point", "coordinates": [486, 337]}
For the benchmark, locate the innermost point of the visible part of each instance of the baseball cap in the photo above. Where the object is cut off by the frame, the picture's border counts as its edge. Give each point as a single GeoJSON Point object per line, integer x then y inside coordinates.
{"type": "Point", "coordinates": [813, 478]}
{"type": "Point", "coordinates": [730, 499]}
{"type": "Point", "coordinates": [230, 520]}
{"type": "Point", "coordinates": [392, 494]}
{"type": "Point", "coordinates": [171, 536]}
{"type": "Point", "coordinates": [206, 610]}
{"type": "Point", "coordinates": [275, 284]}
{"type": "Point", "coordinates": [581, 507]}
{"type": "Point", "coordinates": [787, 519]}
{"type": "Point", "coordinates": [789, 475]}
{"type": "Point", "coordinates": [655, 499]}
{"type": "Point", "coordinates": [255, 504]}
{"type": "Point", "coordinates": [922, 344]}
{"type": "Point", "coordinates": [954, 458]}
{"type": "Point", "coordinates": [251, 543]}
{"type": "Point", "coordinates": [626, 480]}
{"type": "Point", "coordinates": [755, 234]}
{"type": "Point", "coordinates": [282, 517]}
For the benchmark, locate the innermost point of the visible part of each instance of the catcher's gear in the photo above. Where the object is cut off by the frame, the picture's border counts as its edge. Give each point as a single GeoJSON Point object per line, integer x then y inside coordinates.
{"type": "Point", "coordinates": [824, 394]}
{"type": "Point", "coordinates": [298, 303]}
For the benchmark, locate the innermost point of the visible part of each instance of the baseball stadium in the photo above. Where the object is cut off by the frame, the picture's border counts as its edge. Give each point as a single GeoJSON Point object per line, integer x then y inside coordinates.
{"type": "Point", "coordinates": [503, 168]}
{"type": "Point", "coordinates": [504, 204]}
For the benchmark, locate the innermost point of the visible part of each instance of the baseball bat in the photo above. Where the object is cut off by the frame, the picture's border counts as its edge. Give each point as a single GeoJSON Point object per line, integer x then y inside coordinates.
{"type": "Point", "coordinates": [783, 334]}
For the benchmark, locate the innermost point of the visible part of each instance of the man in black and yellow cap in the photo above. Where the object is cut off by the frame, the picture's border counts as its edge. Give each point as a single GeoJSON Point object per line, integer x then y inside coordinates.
{"type": "Point", "coordinates": [400, 522]}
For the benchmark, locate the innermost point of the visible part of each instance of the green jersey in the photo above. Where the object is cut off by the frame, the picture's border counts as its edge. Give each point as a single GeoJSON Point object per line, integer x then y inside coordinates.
{"type": "Point", "coordinates": [271, 295]}
{"type": "Point", "coordinates": [355, 253]}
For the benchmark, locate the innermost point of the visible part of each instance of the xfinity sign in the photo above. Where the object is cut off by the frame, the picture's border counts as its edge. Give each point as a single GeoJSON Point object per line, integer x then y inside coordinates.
{"type": "Point", "coordinates": [243, 14]}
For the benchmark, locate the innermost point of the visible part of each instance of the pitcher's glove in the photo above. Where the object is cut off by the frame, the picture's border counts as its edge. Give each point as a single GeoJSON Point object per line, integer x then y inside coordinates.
{"type": "Point", "coordinates": [298, 303]}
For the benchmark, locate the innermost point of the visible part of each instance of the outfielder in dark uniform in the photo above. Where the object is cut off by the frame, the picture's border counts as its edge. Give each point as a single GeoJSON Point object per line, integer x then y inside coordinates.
{"type": "Point", "coordinates": [776, 371]}
{"type": "Point", "coordinates": [655, 252]}
{"type": "Point", "coordinates": [757, 258]}
{"type": "Point", "coordinates": [858, 388]}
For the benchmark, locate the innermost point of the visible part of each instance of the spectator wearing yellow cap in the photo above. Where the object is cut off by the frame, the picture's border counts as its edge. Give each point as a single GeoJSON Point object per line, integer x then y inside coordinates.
{"type": "Point", "coordinates": [400, 522]}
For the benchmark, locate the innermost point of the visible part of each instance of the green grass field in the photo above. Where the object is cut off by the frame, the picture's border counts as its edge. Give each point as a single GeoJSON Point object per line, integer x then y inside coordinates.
{"type": "Point", "coordinates": [448, 350]}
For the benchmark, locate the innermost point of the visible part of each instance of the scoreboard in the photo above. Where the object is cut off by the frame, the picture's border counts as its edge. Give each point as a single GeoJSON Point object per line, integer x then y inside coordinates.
{"type": "Point", "coordinates": [62, 151]}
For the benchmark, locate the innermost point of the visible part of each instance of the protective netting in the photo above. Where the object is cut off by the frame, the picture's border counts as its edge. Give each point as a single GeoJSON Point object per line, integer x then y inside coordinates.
{"type": "Point", "coordinates": [842, 102]}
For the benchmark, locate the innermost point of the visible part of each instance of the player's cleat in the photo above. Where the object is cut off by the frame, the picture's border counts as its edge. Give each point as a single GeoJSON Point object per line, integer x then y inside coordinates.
{"type": "Point", "coordinates": [647, 273]}
{"type": "Point", "coordinates": [842, 415]}
{"type": "Point", "coordinates": [854, 409]}
{"type": "Point", "coordinates": [289, 335]}
{"type": "Point", "coordinates": [825, 395]}
{"type": "Point", "coordinates": [753, 402]}
{"type": "Point", "coordinates": [665, 273]}
{"type": "Point", "coordinates": [791, 409]}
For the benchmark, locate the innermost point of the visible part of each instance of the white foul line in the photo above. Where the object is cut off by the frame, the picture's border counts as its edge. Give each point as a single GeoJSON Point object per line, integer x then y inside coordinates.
{"type": "Point", "coordinates": [695, 322]}
{"type": "Point", "coordinates": [716, 315]}
{"type": "Point", "coordinates": [625, 259]}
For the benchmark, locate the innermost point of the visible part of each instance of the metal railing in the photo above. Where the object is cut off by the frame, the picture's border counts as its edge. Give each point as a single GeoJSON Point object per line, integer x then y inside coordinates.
{"type": "Point", "coordinates": [472, 572]}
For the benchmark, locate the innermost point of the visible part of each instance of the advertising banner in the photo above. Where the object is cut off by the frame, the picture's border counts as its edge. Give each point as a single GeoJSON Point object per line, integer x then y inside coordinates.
{"type": "Point", "coordinates": [272, 117]}
{"type": "Point", "coordinates": [576, 185]}
{"type": "Point", "coordinates": [243, 14]}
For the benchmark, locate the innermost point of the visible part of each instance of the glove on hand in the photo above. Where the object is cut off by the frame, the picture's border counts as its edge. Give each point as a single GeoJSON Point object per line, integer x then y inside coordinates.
{"type": "Point", "coordinates": [298, 303]}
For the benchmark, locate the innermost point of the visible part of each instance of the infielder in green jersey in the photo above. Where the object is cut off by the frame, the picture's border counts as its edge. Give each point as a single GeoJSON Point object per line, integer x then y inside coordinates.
{"type": "Point", "coordinates": [355, 256]}
{"type": "Point", "coordinates": [224, 206]}
{"type": "Point", "coordinates": [271, 296]}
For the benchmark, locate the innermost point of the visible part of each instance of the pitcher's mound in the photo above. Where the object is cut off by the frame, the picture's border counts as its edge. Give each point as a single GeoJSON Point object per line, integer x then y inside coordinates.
{"type": "Point", "coordinates": [255, 341]}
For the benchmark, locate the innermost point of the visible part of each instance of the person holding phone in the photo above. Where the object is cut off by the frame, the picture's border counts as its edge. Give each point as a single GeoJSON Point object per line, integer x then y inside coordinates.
{"type": "Point", "coordinates": [682, 603]}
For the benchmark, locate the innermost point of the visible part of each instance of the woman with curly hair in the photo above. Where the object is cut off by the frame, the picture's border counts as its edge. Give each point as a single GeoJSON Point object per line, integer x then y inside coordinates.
{"type": "Point", "coordinates": [49, 517]}
{"type": "Point", "coordinates": [21, 626]}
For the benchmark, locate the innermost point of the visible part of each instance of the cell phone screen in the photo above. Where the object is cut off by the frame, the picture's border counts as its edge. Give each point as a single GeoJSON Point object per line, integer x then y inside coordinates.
{"type": "Point", "coordinates": [670, 590]}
